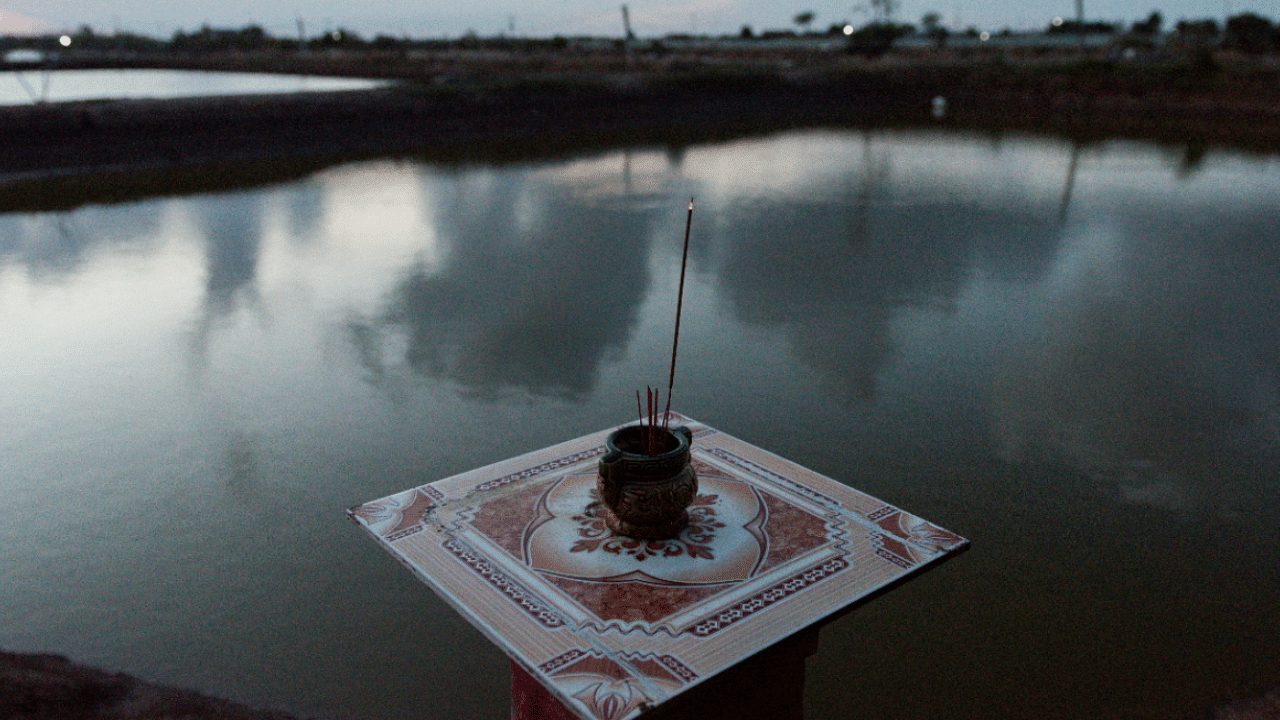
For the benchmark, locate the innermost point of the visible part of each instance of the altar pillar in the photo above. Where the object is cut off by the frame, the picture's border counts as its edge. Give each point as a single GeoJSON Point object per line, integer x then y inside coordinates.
{"type": "Point", "coordinates": [766, 686]}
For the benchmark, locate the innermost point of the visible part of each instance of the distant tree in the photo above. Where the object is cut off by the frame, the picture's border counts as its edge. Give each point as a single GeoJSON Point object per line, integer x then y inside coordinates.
{"type": "Point", "coordinates": [1197, 28]}
{"type": "Point", "coordinates": [1197, 38]}
{"type": "Point", "coordinates": [1073, 27]}
{"type": "Point", "coordinates": [1150, 26]}
{"type": "Point", "coordinates": [207, 39]}
{"type": "Point", "coordinates": [1250, 33]}
{"type": "Point", "coordinates": [747, 33]}
{"type": "Point", "coordinates": [1196, 33]}
{"type": "Point", "coordinates": [875, 39]}
{"type": "Point", "coordinates": [804, 19]}
{"type": "Point", "coordinates": [135, 43]}
{"type": "Point", "coordinates": [932, 24]}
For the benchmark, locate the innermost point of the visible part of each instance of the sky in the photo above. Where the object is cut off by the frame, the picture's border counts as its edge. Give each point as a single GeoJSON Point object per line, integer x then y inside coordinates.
{"type": "Point", "coordinates": [649, 18]}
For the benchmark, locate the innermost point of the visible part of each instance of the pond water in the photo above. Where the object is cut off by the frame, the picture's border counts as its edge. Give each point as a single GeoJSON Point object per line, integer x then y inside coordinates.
{"type": "Point", "coordinates": [1067, 354]}
{"type": "Point", "coordinates": [23, 87]}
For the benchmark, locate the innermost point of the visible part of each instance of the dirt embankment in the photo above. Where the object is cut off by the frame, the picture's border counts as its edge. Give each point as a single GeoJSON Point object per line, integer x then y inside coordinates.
{"type": "Point", "coordinates": [50, 687]}
{"type": "Point", "coordinates": [487, 104]}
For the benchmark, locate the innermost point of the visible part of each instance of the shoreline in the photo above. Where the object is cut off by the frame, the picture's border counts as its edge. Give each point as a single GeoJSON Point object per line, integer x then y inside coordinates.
{"type": "Point", "coordinates": [456, 111]}
{"type": "Point", "coordinates": [39, 686]}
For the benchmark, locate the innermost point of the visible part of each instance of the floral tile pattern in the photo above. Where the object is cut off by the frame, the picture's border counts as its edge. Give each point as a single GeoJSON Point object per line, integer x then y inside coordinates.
{"type": "Point", "coordinates": [694, 542]}
{"type": "Point", "coordinates": [612, 625]}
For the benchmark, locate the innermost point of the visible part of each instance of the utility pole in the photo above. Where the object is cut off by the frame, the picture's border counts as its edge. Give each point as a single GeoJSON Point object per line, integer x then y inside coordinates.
{"type": "Point", "coordinates": [626, 24]}
{"type": "Point", "coordinates": [1080, 22]}
{"type": "Point", "coordinates": [629, 38]}
{"type": "Point", "coordinates": [883, 10]}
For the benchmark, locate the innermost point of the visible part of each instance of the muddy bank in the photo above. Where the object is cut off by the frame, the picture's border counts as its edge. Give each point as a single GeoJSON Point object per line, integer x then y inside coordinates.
{"type": "Point", "coordinates": [470, 113]}
{"type": "Point", "coordinates": [50, 687]}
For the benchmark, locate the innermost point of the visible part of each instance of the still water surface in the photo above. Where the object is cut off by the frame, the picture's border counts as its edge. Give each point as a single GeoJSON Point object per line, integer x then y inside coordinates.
{"type": "Point", "coordinates": [23, 87]}
{"type": "Point", "coordinates": [1068, 355]}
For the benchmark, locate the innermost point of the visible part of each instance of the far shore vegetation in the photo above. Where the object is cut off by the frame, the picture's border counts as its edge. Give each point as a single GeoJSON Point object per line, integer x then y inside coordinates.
{"type": "Point", "coordinates": [1191, 84]}
{"type": "Point", "coordinates": [1143, 40]}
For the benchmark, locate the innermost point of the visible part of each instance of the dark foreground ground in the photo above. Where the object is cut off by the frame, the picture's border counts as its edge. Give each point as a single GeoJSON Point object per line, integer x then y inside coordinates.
{"type": "Point", "coordinates": [50, 687]}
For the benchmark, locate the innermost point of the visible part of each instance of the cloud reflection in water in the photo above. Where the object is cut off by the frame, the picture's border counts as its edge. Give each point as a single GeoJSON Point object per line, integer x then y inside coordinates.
{"type": "Point", "coordinates": [525, 300]}
{"type": "Point", "coordinates": [1155, 363]}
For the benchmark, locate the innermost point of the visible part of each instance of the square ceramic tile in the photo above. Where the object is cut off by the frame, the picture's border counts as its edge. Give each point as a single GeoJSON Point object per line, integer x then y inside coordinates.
{"type": "Point", "coordinates": [611, 625]}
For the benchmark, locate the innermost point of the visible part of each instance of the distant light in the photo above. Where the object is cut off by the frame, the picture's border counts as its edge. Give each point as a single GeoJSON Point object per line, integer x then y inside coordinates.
{"type": "Point", "coordinates": [1057, 22]}
{"type": "Point", "coordinates": [984, 36]}
{"type": "Point", "coordinates": [848, 29]}
{"type": "Point", "coordinates": [65, 41]}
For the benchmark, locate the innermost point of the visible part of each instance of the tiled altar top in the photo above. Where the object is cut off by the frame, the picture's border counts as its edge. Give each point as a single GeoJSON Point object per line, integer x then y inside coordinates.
{"type": "Point", "coordinates": [612, 626]}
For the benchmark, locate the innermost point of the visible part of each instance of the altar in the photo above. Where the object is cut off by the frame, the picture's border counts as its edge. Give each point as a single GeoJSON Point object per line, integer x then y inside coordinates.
{"type": "Point", "coordinates": [601, 626]}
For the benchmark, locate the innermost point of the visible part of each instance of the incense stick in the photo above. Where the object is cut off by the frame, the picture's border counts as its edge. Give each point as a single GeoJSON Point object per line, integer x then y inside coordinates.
{"type": "Point", "coordinates": [651, 438]}
{"type": "Point", "coordinates": [675, 341]}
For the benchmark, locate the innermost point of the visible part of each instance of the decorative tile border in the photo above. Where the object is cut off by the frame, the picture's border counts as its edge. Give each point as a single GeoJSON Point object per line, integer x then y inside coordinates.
{"type": "Point", "coordinates": [567, 662]}
{"type": "Point", "coordinates": [616, 685]}
{"type": "Point", "coordinates": [405, 513]}
{"type": "Point", "coordinates": [556, 464]}
{"type": "Point", "coordinates": [504, 584]}
{"type": "Point", "coordinates": [891, 550]}
{"type": "Point", "coordinates": [765, 598]}
{"type": "Point", "coordinates": [766, 473]}
{"type": "Point", "coordinates": [912, 529]}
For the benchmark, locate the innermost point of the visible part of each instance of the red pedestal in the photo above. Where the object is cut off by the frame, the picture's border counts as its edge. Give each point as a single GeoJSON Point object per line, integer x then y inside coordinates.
{"type": "Point", "coordinates": [766, 686]}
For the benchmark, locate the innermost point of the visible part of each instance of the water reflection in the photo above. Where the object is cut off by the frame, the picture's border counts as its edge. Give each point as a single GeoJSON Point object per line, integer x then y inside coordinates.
{"type": "Point", "coordinates": [1090, 396]}
{"type": "Point", "coordinates": [830, 276]}
{"type": "Point", "coordinates": [538, 287]}
{"type": "Point", "coordinates": [1192, 159]}
{"type": "Point", "coordinates": [302, 205]}
{"type": "Point", "coordinates": [230, 226]}
{"type": "Point", "coordinates": [56, 245]}
{"type": "Point", "coordinates": [1070, 184]}
{"type": "Point", "coordinates": [871, 186]}
{"type": "Point", "coordinates": [16, 88]}
{"type": "Point", "coordinates": [1155, 362]}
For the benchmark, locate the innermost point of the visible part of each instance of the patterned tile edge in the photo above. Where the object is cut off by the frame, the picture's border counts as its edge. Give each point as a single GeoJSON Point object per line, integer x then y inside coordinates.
{"type": "Point", "coordinates": [527, 473]}
{"type": "Point", "coordinates": [773, 594]}
{"type": "Point", "coordinates": [501, 582]}
{"type": "Point", "coordinates": [775, 478]}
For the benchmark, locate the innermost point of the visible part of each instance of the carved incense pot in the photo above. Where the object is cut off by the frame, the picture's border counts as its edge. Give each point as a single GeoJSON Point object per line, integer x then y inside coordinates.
{"type": "Point", "coordinates": [645, 495]}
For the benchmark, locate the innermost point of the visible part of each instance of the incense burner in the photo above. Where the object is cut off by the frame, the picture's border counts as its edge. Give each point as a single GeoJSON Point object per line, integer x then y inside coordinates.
{"type": "Point", "coordinates": [645, 495]}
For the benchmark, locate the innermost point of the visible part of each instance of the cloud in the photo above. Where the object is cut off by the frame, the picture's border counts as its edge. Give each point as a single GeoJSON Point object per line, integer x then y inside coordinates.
{"type": "Point", "coordinates": [11, 23]}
